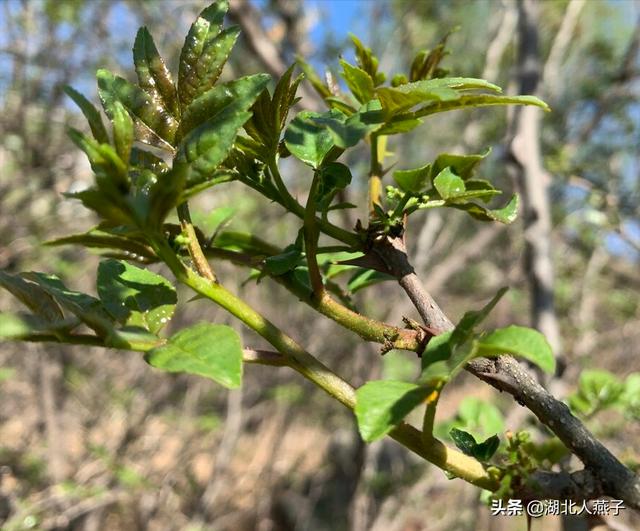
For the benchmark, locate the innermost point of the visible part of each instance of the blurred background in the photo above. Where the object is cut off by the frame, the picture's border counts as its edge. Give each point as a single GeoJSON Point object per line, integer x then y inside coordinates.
{"type": "Point", "coordinates": [94, 439]}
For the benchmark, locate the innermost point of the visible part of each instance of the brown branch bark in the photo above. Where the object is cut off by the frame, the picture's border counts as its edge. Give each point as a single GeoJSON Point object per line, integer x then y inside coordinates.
{"type": "Point", "coordinates": [603, 472]}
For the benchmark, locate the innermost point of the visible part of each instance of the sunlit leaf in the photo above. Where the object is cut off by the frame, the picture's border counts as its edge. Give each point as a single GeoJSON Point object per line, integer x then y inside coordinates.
{"type": "Point", "coordinates": [468, 101]}
{"type": "Point", "coordinates": [209, 350]}
{"type": "Point", "coordinates": [134, 296]}
{"type": "Point", "coordinates": [505, 215]}
{"type": "Point", "coordinates": [381, 405]}
{"type": "Point", "coordinates": [153, 75]}
{"type": "Point", "coordinates": [206, 146]}
{"type": "Point", "coordinates": [521, 342]}
{"type": "Point", "coordinates": [448, 184]}
{"type": "Point", "coordinates": [204, 53]}
{"type": "Point", "coordinates": [32, 296]}
{"type": "Point", "coordinates": [309, 141]}
{"type": "Point", "coordinates": [98, 239]}
{"type": "Point", "coordinates": [123, 132]}
{"type": "Point", "coordinates": [140, 104]}
{"type": "Point", "coordinates": [238, 94]}
{"type": "Point", "coordinates": [91, 114]}
{"type": "Point", "coordinates": [462, 165]}
{"type": "Point", "coordinates": [85, 307]}
{"type": "Point", "coordinates": [359, 82]}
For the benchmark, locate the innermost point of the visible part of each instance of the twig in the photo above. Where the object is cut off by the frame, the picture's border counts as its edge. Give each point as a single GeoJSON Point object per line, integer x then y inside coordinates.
{"type": "Point", "coordinates": [605, 472]}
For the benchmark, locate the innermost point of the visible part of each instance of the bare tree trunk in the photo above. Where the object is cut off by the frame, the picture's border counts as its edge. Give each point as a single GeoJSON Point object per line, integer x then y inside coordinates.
{"type": "Point", "coordinates": [50, 374]}
{"type": "Point", "coordinates": [533, 181]}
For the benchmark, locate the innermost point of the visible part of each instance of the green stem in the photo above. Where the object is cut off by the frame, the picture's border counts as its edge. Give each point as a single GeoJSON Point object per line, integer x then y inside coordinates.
{"type": "Point", "coordinates": [311, 235]}
{"type": "Point", "coordinates": [375, 180]}
{"type": "Point", "coordinates": [430, 413]}
{"type": "Point", "coordinates": [445, 458]}
{"type": "Point", "coordinates": [195, 251]}
{"type": "Point", "coordinates": [367, 328]}
{"type": "Point", "coordinates": [299, 359]}
{"type": "Point", "coordinates": [311, 368]}
{"type": "Point", "coordinates": [289, 202]}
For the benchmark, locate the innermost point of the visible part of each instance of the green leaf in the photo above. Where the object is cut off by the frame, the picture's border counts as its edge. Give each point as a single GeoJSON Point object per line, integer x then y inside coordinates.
{"type": "Point", "coordinates": [464, 441]}
{"type": "Point", "coordinates": [310, 75]}
{"type": "Point", "coordinates": [110, 169]}
{"type": "Point", "coordinates": [466, 327]}
{"type": "Point", "coordinates": [140, 104]}
{"type": "Point", "coordinates": [630, 397]}
{"type": "Point", "coordinates": [519, 341]}
{"type": "Point", "coordinates": [359, 82]}
{"type": "Point", "coordinates": [307, 140]}
{"type": "Point", "coordinates": [134, 296]}
{"type": "Point", "coordinates": [462, 165]}
{"type": "Point", "coordinates": [446, 354]}
{"type": "Point", "coordinates": [485, 450]}
{"type": "Point", "coordinates": [469, 101]}
{"type": "Point", "coordinates": [205, 52]}
{"type": "Point", "coordinates": [403, 97]}
{"type": "Point", "coordinates": [445, 360]}
{"type": "Point", "coordinates": [402, 126]}
{"type": "Point", "coordinates": [448, 184]}
{"type": "Point", "coordinates": [145, 160]}
{"type": "Point", "coordinates": [381, 405]}
{"type": "Point", "coordinates": [505, 215]}
{"type": "Point", "coordinates": [347, 131]}
{"type": "Point", "coordinates": [209, 350]}
{"type": "Point", "coordinates": [340, 105]}
{"type": "Point", "coordinates": [153, 75]}
{"type": "Point", "coordinates": [334, 177]}
{"type": "Point", "coordinates": [270, 113]}
{"type": "Point", "coordinates": [467, 444]}
{"type": "Point", "coordinates": [207, 146]}
{"type": "Point", "coordinates": [480, 417]}
{"type": "Point", "coordinates": [85, 307]}
{"type": "Point", "coordinates": [32, 296]}
{"type": "Point", "coordinates": [166, 193]}
{"type": "Point", "coordinates": [365, 278]}
{"type": "Point", "coordinates": [123, 132]}
{"type": "Point", "coordinates": [415, 180]}
{"type": "Point", "coordinates": [284, 262]}
{"type": "Point", "coordinates": [367, 61]}
{"type": "Point", "coordinates": [239, 94]}
{"type": "Point", "coordinates": [91, 114]}
{"type": "Point", "coordinates": [202, 182]}
{"type": "Point", "coordinates": [425, 63]}
{"type": "Point", "coordinates": [395, 101]}
{"type": "Point", "coordinates": [94, 199]}
{"type": "Point", "coordinates": [98, 239]}
{"type": "Point", "coordinates": [597, 389]}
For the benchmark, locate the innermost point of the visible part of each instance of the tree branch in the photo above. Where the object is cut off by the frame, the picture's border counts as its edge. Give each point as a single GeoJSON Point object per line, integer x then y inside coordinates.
{"type": "Point", "coordinates": [605, 472]}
